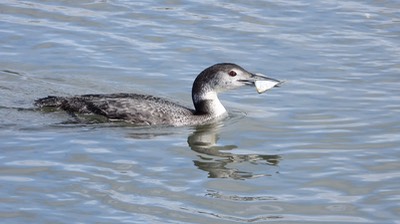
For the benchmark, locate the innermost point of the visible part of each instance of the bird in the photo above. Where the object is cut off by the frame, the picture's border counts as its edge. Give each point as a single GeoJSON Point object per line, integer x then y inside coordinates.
{"type": "Point", "coordinates": [149, 110]}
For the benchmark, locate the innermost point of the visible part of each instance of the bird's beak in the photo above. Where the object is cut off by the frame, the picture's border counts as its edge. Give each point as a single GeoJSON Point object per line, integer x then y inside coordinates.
{"type": "Point", "coordinates": [261, 82]}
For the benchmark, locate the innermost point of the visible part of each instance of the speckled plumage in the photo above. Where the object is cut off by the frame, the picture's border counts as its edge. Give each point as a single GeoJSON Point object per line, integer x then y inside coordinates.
{"type": "Point", "coordinates": [150, 110]}
{"type": "Point", "coordinates": [133, 108]}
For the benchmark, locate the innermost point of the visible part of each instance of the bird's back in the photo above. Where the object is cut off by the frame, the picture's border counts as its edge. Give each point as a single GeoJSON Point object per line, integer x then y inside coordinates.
{"type": "Point", "coordinates": [133, 108]}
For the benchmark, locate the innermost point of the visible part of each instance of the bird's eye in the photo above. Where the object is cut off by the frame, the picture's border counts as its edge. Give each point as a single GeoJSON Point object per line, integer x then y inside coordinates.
{"type": "Point", "coordinates": [232, 73]}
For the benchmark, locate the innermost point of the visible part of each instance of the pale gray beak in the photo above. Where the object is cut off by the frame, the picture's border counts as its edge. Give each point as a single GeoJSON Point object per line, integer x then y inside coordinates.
{"type": "Point", "coordinates": [261, 82]}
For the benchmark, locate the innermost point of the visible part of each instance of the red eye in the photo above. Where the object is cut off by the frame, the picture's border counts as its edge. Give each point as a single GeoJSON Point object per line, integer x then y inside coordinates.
{"type": "Point", "coordinates": [232, 73]}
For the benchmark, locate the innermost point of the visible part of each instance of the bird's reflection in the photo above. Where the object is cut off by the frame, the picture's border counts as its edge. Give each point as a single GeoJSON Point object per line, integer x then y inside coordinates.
{"type": "Point", "coordinates": [216, 159]}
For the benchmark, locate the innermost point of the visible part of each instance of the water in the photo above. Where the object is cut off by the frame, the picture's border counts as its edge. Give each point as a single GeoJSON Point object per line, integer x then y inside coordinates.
{"type": "Point", "coordinates": [323, 148]}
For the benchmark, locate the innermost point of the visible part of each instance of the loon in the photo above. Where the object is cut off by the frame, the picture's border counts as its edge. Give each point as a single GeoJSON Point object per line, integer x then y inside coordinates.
{"type": "Point", "coordinates": [147, 110]}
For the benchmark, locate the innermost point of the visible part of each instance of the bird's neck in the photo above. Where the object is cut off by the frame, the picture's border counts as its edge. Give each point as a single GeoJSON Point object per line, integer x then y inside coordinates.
{"type": "Point", "coordinates": [208, 103]}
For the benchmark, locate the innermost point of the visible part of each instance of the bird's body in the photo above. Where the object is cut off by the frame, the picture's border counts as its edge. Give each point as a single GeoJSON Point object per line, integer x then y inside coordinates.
{"type": "Point", "coordinates": [145, 110]}
{"type": "Point", "coordinates": [142, 110]}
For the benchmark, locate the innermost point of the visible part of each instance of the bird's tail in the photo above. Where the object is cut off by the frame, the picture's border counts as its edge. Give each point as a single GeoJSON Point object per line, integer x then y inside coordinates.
{"type": "Point", "coordinates": [50, 101]}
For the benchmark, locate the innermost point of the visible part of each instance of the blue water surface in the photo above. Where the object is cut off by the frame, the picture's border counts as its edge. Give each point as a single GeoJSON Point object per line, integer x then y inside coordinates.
{"type": "Point", "coordinates": [323, 148]}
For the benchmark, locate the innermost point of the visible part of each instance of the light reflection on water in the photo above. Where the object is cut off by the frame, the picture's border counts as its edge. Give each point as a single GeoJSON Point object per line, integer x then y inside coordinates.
{"type": "Point", "coordinates": [216, 159]}
{"type": "Point", "coordinates": [322, 148]}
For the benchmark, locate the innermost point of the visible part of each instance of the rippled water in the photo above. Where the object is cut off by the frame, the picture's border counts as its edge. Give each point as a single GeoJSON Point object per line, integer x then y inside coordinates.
{"type": "Point", "coordinates": [323, 148]}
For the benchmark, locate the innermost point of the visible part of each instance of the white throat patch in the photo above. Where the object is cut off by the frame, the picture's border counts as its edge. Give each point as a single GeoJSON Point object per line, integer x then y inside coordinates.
{"type": "Point", "coordinates": [217, 108]}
